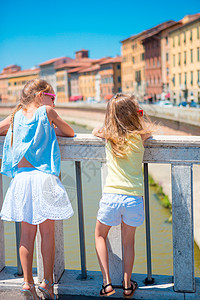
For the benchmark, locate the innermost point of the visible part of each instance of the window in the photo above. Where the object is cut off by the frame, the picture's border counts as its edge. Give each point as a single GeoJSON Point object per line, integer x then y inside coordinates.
{"type": "Point", "coordinates": [167, 71]}
{"type": "Point", "coordinates": [191, 35]}
{"type": "Point", "coordinates": [138, 76]}
{"type": "Point", "coordinates": [173, 80]}
{"type": "Point", "coordinates": [198, 32]}
{"type": "Point", "coordinates": [142, 56]}
{"type": "Point", "coordinates": [173, 41]}
{"type": "Point", "coordinates": [166, 39]}
{"type": "Point", "coordinates": [185, 78]}
{"type": "Point", "coordinates": [185, 56]}
{"type": "Point", "coordinates": [119, 79]}
{"type": "Point", "coordinates": [191, 55]}
{"type": "Point", "coordinates": [153, 62]}
{"type": "Point", "coordinates": [118, 67]}
{"type": "Point", "coordinates": [167, 56]}
{"type": "Point", "coordinates": [179, 40]}
{"type": "Point", "coordinates": [198, 76]}
{"type": "Point", "coordinates": [198, 54]}
{"type": "Point", "coordinates": [191, 75]}
{"type": "Point", "coordinates": [158, 63]}
{"type": "Point", "coordinates": [179, 78]}
{"type": "Point", "coordinates": [184, 37]}
{"type": "Point", "coordinates": [133, 59]}
{"type": "Point", "coordinates": [173, 60]}
{"type": "Point", "coordinates": [179, 59]}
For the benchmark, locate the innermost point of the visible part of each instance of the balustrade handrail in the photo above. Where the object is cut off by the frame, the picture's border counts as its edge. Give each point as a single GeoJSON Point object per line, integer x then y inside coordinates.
{"type": "Point", "coordinates": [179, 151]}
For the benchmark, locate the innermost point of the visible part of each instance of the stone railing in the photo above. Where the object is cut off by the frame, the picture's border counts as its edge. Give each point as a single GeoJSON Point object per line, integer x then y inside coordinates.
{"type": "Point", "coordinates": [181, 153]}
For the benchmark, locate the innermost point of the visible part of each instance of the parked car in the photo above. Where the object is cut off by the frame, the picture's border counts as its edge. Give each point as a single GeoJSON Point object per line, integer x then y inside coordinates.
{"type": "Point", "coordinates": [164, 103]}
{"type": "Point", "coordinates": [193, 103]}
{"type": "Point", "coordinates": [183, 103]}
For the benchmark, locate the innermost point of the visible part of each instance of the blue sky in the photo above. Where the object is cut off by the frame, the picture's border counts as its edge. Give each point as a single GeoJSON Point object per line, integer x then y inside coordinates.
{"type": "Point", "coordinates": [32, 32]}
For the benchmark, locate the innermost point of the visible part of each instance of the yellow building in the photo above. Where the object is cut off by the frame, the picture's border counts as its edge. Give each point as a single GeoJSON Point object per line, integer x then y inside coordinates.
{"type": "Point", "coordinates": [133, 65]}
{"type": "Point", "coordinates": [16, 82]}
{"type": "Point", "coordinates": [165, 59]}
{"type": "Point", "coordinates": [185, 60]}
{"type": "Point", "coordinates": [3, 88]}
{"type": "Point", "coordinates": [61, 82]}
{"type": "Point", "coordinates": [87, 79]}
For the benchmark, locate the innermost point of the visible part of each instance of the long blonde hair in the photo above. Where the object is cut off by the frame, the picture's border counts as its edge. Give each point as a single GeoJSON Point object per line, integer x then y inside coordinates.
{"type": "Point", "coordinates": [122, 121]}
{"type": "Point", "coordinates": [28, 94]}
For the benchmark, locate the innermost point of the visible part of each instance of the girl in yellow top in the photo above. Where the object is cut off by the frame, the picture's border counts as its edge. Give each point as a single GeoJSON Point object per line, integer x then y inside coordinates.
{"type": "Point", "coordinates": [122, 202]}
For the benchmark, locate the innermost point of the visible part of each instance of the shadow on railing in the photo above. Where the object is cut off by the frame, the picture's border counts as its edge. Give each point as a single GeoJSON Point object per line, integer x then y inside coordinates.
{"type": "Point", "coordinates": [181, 153]}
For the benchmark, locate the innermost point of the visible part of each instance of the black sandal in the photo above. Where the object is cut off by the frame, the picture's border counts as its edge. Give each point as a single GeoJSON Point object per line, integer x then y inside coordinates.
{"type": "Point", "coordinates": [130, 289]}
{"type": "Point", "coordinates": [103, 292]}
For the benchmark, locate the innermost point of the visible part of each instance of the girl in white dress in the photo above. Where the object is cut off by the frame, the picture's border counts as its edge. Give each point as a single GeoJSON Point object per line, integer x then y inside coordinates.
{"type": "Point", "coordinates": [31, 156]}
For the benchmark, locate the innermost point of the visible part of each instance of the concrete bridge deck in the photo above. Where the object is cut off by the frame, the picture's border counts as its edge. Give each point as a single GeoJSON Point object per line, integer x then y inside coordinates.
{"type": "Point", "coordinates": [71, 288]}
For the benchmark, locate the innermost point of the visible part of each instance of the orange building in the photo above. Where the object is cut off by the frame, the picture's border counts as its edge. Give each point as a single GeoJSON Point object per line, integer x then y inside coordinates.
{"type": "Point", "coordinates": [16, 82]}
{"type": "Point", "coordinates": [133, 65]}
{"type": "Point", "coordinates": [4, 81]}
{"type": "Point", "coordinates": [110, 77]}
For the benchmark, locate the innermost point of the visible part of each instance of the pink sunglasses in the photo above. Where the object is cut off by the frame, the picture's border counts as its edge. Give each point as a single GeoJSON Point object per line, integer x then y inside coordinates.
{"type": "Point", "coordinates": [52, 95]}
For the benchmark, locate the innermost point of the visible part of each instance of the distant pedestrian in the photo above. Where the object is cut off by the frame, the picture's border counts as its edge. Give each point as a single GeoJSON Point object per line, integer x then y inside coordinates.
{"type": "Point", "coordinates": [125, 131]}
{"type": "Point", "coordinates": [35, 196]}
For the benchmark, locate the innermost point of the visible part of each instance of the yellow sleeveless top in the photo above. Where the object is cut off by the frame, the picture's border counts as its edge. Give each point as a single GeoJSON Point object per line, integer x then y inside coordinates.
{"type": "Point", "coordinates": [125, 174]}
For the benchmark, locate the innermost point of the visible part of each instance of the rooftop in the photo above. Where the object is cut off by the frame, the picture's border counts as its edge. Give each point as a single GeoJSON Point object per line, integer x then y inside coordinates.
{"type": "Point", "coordinates": [51, 61]}
{"type": "Point", "coordinates": [117, 59]}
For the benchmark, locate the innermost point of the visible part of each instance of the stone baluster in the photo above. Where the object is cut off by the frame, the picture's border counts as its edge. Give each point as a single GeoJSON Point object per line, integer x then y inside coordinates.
{"type": "Point", "coordinates": [183, 237]}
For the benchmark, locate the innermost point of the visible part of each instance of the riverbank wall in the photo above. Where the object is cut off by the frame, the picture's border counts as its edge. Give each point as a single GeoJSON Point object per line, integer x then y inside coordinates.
{"type": "Point", "coordinates": [171, 122]}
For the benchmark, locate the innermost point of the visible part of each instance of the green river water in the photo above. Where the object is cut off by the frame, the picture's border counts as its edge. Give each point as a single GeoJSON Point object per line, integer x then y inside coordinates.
{"type": "Point", "coordinates": [161, 230]}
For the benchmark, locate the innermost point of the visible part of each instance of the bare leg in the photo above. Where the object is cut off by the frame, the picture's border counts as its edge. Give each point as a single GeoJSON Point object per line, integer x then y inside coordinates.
{"type": "Point", "coordinates": [48, 251]}
{"type": "Point", "coordinates": [101, 232]}
{"type": "Point", "coordinates": [28, 233]}
{"type": "Point", "coordinates": [128, 237]}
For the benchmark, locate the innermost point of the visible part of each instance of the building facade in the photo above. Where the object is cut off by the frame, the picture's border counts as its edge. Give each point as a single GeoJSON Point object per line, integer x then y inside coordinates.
{"type": "Point", "coordinates": [110, 77]}
{"type": "Point", "coordinates": [17, 80]}
{"type": "Point", "coordinates": [165, 60]}
{"type": "Point", "coordinates": [133, 65]}
{"type": "Point", "coordinates": [153, 67]}
{"type": "Point", "coordinates": [185, 61]}
{"type": "Point", "coordinates": [48, 73]}
{"type": "Point", "coordinates": [4, 81]}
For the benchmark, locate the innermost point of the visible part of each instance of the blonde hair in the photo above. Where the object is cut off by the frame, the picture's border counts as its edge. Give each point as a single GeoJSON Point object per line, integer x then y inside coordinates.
{"type": "Point", "coordinates": [122, 121]}
{"type": "Point", "coordinates": [28, 94]}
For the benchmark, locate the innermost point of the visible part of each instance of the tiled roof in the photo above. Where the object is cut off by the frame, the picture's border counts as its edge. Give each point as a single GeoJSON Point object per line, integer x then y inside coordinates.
{"type": "Point", "coordinates": [74, 70]}
{"type": "Point", "coordinates": [133, 37]}
{"type": "Point", "coordinates": [55, 60]}
{"type": "Point", "coordinates": [23, 73]}
{"type": "Point", "coordinates": [91, 68]}
{"type": "Point", "coordinates": [157, 29]}
{"type": "Point", "coordinates": [116, 59]}
{"type": "Point", "coordinates": [75, 63]}
{"type": "Point", "coordinates": [10, 66]}
{"type": "Point", "coordinates": [99, 60]}
{"type": "Point", "coordinates": [193, 19]}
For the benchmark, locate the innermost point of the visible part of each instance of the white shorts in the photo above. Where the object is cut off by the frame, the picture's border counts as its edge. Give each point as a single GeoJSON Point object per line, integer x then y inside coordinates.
{"type": "Point", "coordinates": [115, 208]}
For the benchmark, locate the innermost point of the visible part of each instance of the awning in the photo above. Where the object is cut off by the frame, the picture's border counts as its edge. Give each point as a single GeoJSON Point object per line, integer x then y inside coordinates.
{"type": "Point", "coordinates": [75, 98]}
{"type": "Point", "coordinates": [108, 97]}
{"type": "Point", "coordinates": [167, 95]}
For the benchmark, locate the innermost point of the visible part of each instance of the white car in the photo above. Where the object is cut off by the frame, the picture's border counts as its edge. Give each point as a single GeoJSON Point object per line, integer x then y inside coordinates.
{"type": "Point", "coordinates": [164, 103]}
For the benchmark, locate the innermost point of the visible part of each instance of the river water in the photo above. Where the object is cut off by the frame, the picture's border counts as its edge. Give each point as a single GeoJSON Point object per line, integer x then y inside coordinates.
{"type": "Point", "coordinates": [161, 230]}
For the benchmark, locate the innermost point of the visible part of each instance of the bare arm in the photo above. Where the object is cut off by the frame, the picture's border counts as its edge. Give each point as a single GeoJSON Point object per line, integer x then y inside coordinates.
{"type": "Point", "coordinates": [63, 129]}
{"type": "Point", "coordinates": [145, 137]}
{"type": "Point", "coordinates": [4, 125]}
{"type": "Point", "coordinates": [99, 132]}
